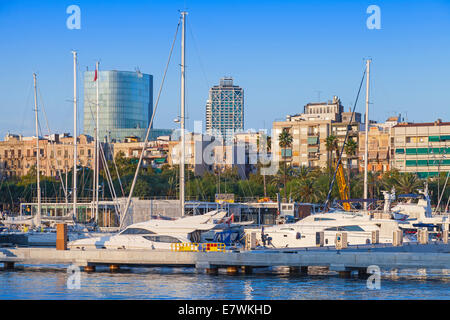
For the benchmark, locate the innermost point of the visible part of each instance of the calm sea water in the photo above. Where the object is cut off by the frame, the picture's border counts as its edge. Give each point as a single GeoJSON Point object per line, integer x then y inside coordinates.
{"type": "Point", "coordinates": [50, 282]}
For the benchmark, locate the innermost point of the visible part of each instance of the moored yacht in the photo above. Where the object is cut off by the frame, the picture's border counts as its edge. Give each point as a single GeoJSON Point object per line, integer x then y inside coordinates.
{"type": "Point", "coordinates": [158, 234]}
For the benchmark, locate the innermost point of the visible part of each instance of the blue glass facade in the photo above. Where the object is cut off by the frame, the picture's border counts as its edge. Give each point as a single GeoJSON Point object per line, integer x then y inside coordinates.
{"type": "Point", "coordinates": [125, 104]}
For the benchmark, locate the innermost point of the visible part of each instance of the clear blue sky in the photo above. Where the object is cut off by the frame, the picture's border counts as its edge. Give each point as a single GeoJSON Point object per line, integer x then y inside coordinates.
{"type": "Point", "coordinates": [281, 52]}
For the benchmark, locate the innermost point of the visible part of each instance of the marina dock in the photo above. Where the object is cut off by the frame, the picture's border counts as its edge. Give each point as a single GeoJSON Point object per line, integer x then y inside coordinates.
{"type": "Point", "coordinates": [431, 256]}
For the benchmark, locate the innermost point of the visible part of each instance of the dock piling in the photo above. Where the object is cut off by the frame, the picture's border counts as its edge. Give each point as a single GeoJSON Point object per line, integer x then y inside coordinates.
{"type": "Point", "coordinates": [89, 268]}
{"type": "Point", "coordinates": [8, 265]}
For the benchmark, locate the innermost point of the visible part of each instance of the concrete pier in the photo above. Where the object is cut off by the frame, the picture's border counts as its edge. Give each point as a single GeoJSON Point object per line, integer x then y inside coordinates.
{"type": "Point", "coordinates": [297, 260]}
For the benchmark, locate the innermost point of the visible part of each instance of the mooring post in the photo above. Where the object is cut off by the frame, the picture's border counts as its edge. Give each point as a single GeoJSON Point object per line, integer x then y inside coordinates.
{"type": "Point", "coordinates": [114, 267]}
{"type": "Point", "coordinates": [213, 271]}
{"type": "Point", "coordinates": [61, 236]}
{"type": "Point", "coordinates": [362, 273]}
{"type": "Point", "coordinates": [89, 268]}
{"type": "Point", "coordinates": [232, 270]}
{"type": "Point", "coordinates": [247, 269]}
{"type": "Point", "coordinates": [8, 265]}
{"type": "Point", "coordinates": [345, 274]}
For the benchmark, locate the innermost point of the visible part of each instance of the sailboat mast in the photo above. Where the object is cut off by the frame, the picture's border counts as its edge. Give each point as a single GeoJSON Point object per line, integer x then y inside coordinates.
{"type": "Point", "coordinates": [74, 134]}
{"type": "Point", "coordinates": [366, 149]}
{"type": "Point", "coordinates": [96, 148]}
{"type": "Point", "coordinates": [38, 168]}
{"type": "Point", "coordinates": [183, 84]}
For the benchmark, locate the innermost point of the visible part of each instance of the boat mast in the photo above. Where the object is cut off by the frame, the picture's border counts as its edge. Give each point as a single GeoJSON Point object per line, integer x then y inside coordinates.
{"type": "Point", "coordinates": [366, 149]}
{"type": "Point", "coordinates": [96, 149]}
{"type": "Point", "coordinates": [183, 43]}
{"type": "Point", "coordinates": [74, 134]}
{"type": "Point", "coordinates": [38, 169]}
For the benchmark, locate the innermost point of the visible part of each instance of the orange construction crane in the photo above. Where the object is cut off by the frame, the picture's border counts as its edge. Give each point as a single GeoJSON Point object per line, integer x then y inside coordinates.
{"type": "Point", "coordinates": [343, 187]}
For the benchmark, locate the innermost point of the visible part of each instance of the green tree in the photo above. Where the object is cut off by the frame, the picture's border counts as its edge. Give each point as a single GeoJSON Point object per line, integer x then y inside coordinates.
{"type": "Point", "coordinates": [285, 142]}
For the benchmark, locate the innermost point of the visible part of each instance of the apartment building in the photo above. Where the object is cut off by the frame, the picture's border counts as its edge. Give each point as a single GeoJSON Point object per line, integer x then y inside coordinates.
{"type": "Point", "coordinates": [422, 148]}
{"type": "Point", "coordinates": [18, 154]}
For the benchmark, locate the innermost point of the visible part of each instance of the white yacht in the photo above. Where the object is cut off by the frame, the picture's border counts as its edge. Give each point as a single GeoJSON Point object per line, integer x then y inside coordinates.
{"type": "Point", "coordinates": [304, 233]}
{"type": "Point", "coordinates": [417, 210]}
{"type": "Point", "coordinates": [157, 234]}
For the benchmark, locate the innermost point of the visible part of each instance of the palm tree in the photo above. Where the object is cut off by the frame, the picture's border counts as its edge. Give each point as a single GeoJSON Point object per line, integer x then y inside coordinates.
{"type": "Point", "coordinates": [285, 141]}
{"type": "Point", "coordinates": [308, 191]}
{"type": "Point", "coordinates": [332, 146]}
{"type": "Point", "coordinates": [407, 183]}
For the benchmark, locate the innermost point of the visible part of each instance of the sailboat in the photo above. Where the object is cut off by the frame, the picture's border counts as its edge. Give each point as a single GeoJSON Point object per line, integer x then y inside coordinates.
{"type": "Point", "coordinates": [159, 234]}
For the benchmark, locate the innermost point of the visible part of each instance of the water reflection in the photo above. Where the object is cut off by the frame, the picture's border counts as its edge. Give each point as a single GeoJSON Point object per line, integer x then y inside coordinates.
{"type": "Point", "coordinates": [50, 282]}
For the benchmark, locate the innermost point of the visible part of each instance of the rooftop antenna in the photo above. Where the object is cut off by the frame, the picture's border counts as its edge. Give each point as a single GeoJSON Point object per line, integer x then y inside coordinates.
{"type": "Point", "coordinates": [318, 95]}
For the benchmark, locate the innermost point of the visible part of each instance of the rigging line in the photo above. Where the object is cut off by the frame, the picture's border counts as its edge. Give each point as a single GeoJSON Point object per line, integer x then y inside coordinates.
{"type": "Point", "coordinates": [437, 209]}
{"type": "Point", "coordinates": [149, 128]}
{"type": "Point", "coordinates": [345, 140]}
{"type": "Point", "coordinates": [446, 207]}
{"type": "Point", "coordinates": [52, 143]}
{"type": "Point", "coordinates": [25, 108]}
{"type": "Point", "coordinates": [110, 183]}
{"type": "Point", "coordinates": [190, 28]}
{"type": "Point", "coordinates": [118, 176]}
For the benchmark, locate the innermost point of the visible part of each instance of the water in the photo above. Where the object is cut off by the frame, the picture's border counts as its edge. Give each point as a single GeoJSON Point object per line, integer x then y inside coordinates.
{"type": "Point", "coordinates": [50, 282]}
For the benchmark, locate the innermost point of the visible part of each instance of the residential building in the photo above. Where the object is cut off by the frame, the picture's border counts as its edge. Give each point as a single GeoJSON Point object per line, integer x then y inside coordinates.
{"type": "Point", "coordinates": [155, 155]}
{"type": "Point", "coordinates": [310, 130]}
{"type": "Point", "coordinates": [378, 152]}
{"type": "Point", "coordinates": [18, 154]}
{"type": "Point", "coordinates": [225, 110]}
{"type": "Point", "coordinates": [422, 148]}
{"type": "Point", "coordinates": [198, 152]}
{"type": "Point", "coordinates": [309, 142]}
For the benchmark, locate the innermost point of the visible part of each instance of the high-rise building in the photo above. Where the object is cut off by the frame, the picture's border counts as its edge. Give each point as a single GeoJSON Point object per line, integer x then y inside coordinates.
{"type": "Point", "coordinates": [225, 110]}
{"type": "Point", "coordinates": [125, 104]}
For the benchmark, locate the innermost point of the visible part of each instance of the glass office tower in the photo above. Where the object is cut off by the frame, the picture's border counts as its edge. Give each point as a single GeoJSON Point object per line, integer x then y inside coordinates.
{"type": "Point", "coordinates": [225, 110]}
{"type": "Point", "coordinates": [125, 104]}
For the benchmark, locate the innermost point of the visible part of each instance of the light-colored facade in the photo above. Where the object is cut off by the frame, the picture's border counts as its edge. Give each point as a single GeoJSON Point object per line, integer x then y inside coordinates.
{"type": "Point", "coordinates": [310, 130]}
{"type": "Point", "coordinates": [308, 145]}
{"type": "Point", "coordinates": [125, 104]}
{"type": "Point", "coordinates": [379, 150]}
{"type": "Point", "coordinates": [422, 148]}
{"type": "Point", "coordinates": [331, 110]}
{"type": "Point", "coordinates": [225, 110]}
{"type": "Point", "coordinates": [197, 148]}
{"type": "Point", "coordinates": [18, 154]}
{"type": "Point", "coordinates": [155, 154]}
{"type": "Point", "coordinates": [380, 153]}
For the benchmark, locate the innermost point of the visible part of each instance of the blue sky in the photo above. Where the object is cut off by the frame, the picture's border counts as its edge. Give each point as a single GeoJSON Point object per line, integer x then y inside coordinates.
{"type": "Point", "coordinates": [281, 52]}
